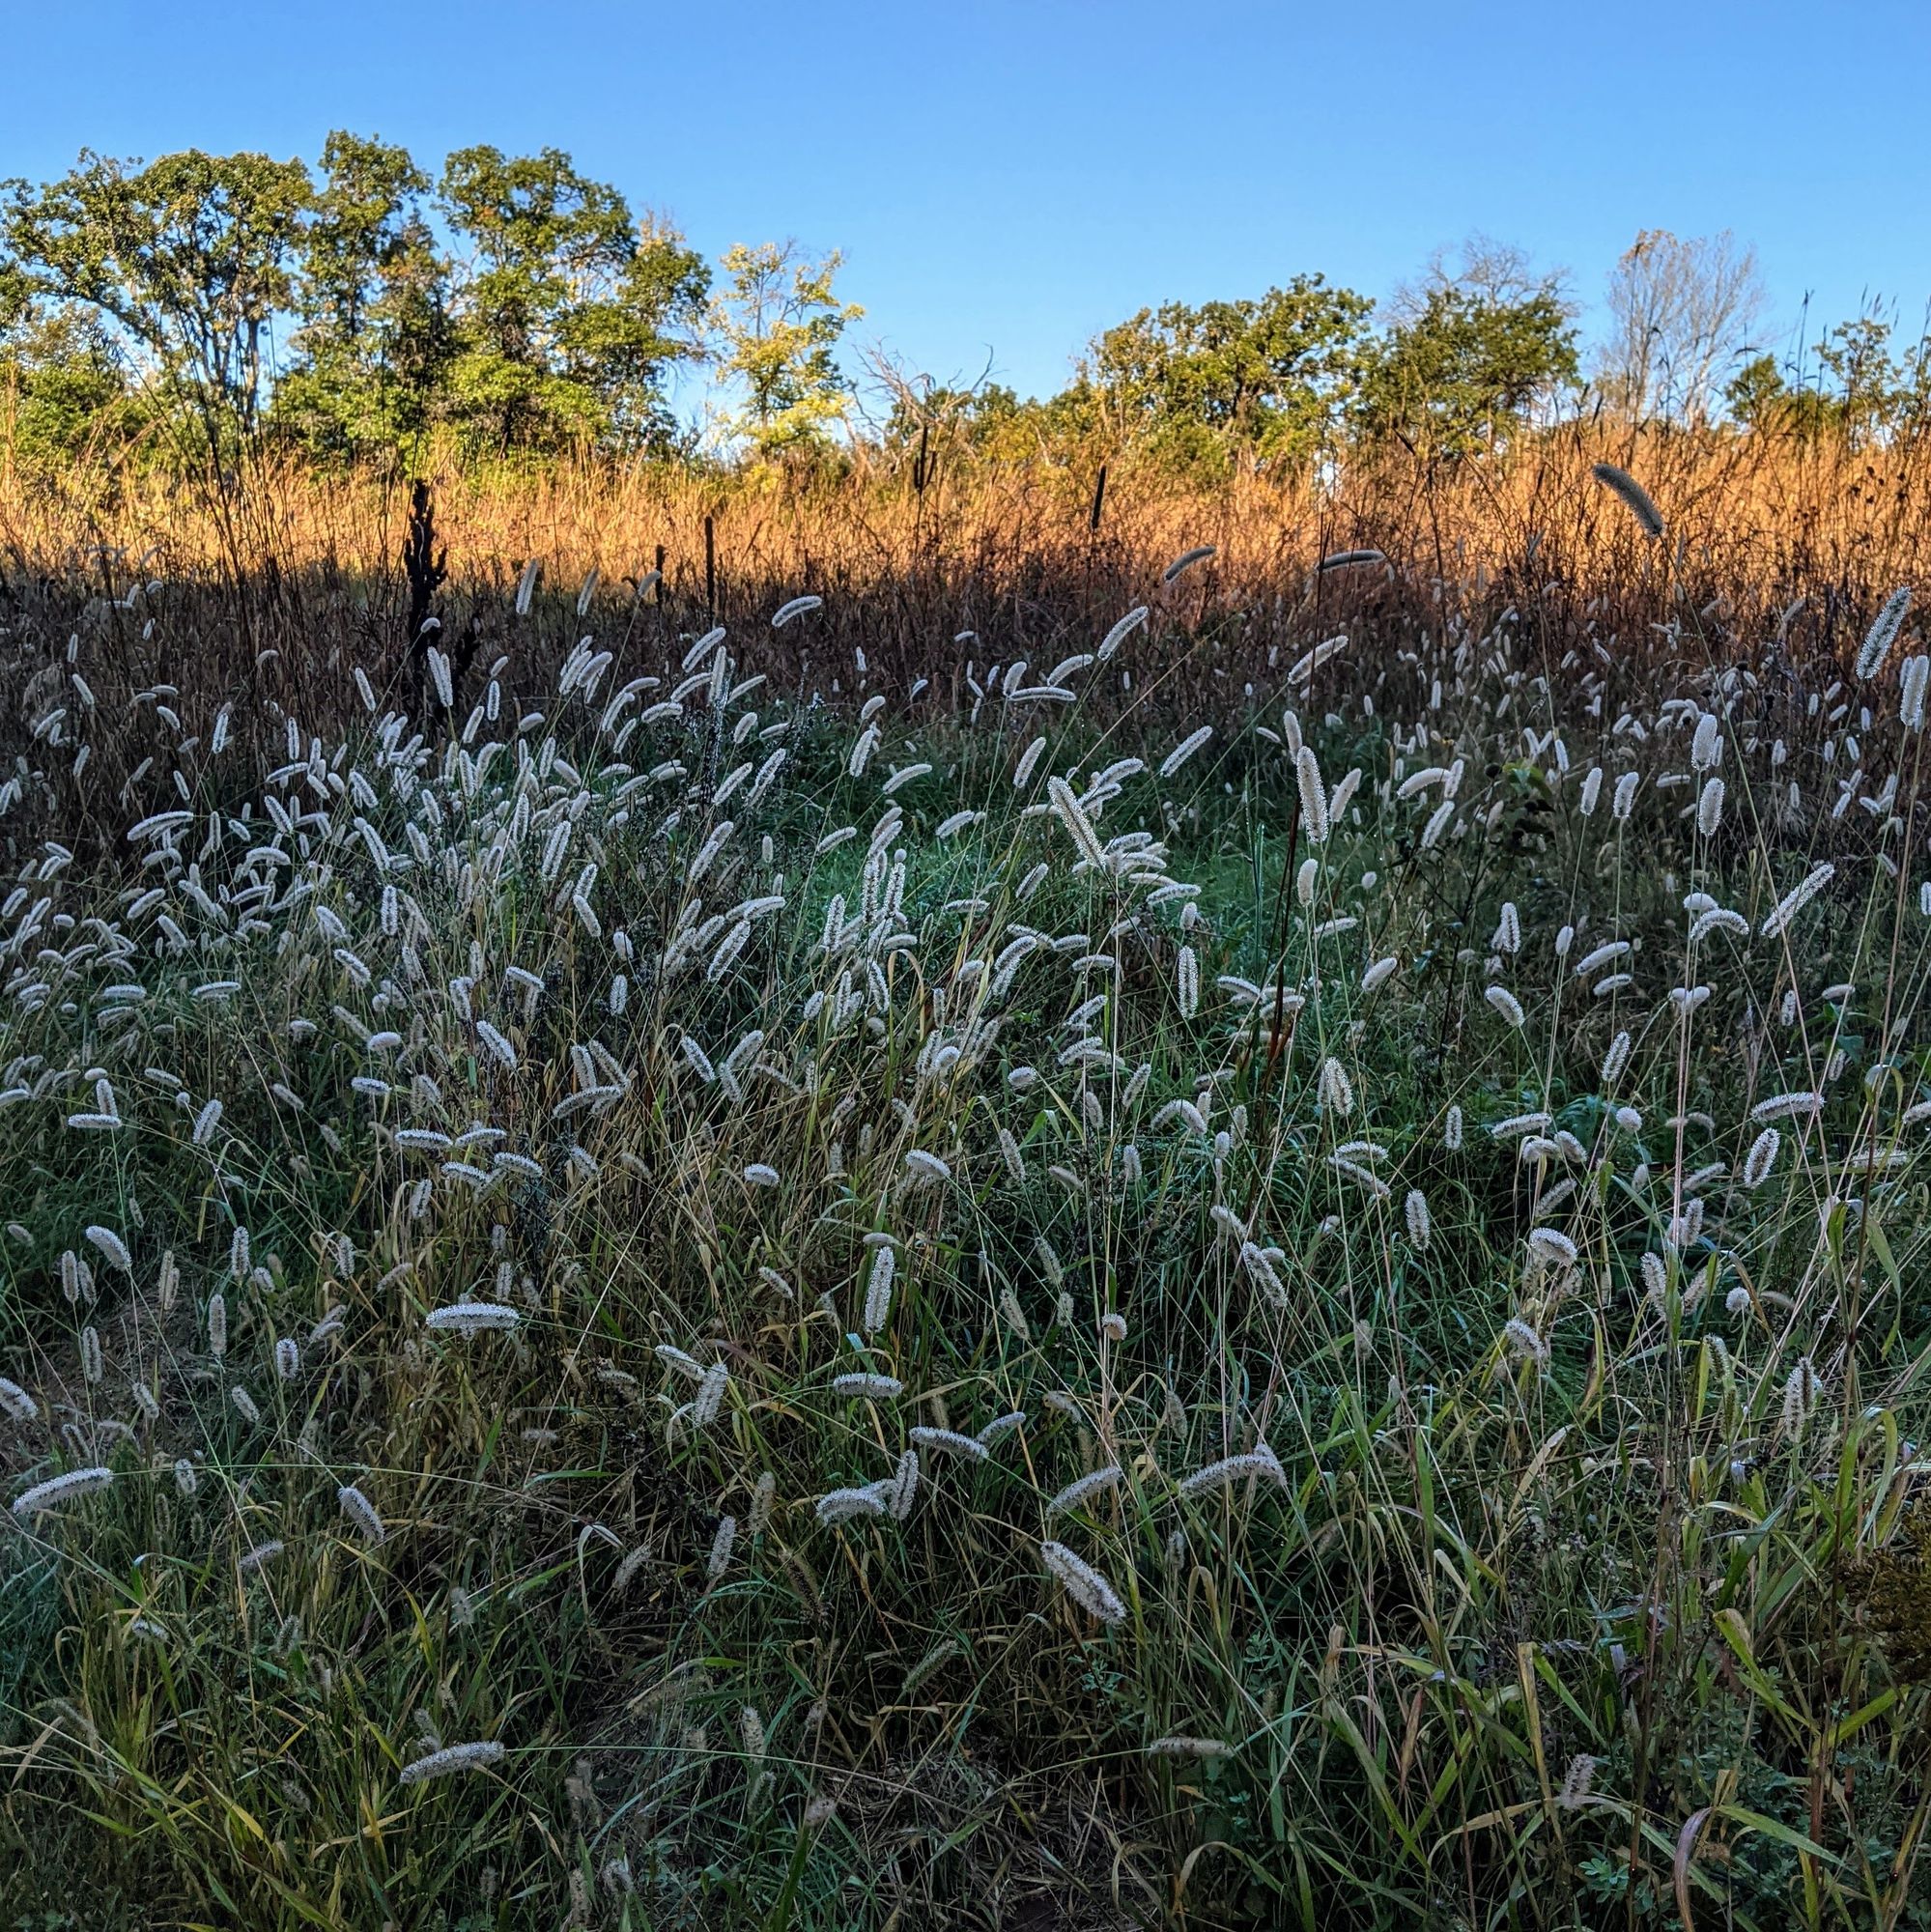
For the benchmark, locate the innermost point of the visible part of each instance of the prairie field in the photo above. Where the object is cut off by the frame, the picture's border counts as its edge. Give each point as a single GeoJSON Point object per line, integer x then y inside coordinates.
{"type": "Point", "coordinates": [803, 1202]}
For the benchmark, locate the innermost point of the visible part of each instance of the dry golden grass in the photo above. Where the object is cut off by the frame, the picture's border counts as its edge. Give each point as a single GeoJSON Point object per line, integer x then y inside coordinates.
{"type": "Point", "coordinates": [1756, 520]}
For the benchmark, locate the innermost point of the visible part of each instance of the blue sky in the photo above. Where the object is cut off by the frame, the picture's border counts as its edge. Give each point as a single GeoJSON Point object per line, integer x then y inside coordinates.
{"type": "Point", "coordinates": [1006, 180]}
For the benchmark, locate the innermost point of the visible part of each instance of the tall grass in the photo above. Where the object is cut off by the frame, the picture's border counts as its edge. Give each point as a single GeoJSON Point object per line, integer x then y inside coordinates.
{"type": "Point", "coordinates": [830, 1289]}
{"type": "Point", "coordinates": [1756, 520]}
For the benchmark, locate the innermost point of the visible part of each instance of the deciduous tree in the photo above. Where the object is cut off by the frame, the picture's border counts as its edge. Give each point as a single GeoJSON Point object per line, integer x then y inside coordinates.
{"type": "Point", "coordinates": [777, 322]}
{"type": "Point", "coordinates": [374, 338]}
{"type": "Point", "coordinates": [1680, 312]}
{"type": "Point", "coordinates": [189, 259]}
{"type": "Point", "coordinates": [569, 313]}
{"type": "Point", "coordinates": [1204, 387]}
{"type": "Point", "coordinates": [1470, 356]}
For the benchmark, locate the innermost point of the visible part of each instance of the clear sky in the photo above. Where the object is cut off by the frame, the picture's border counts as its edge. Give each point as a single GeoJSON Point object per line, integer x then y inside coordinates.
{"type": "Point", "coordinates": [1007, 178]}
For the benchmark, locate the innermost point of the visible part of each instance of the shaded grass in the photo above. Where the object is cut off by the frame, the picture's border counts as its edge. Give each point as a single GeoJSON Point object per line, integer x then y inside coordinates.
{"type": "Point", "coordinates": [1515, 1620]}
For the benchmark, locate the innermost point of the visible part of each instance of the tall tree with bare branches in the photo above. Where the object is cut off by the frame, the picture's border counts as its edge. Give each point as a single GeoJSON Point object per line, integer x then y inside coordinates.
{"type": "Point", "coordinates": [1681, 312]}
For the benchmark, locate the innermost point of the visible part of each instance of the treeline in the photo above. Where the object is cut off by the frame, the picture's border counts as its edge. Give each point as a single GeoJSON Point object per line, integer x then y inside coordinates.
{"type": "Point", "coordinates": [513, 305]}
{"type": "Point", "coordinates": [512, 308]}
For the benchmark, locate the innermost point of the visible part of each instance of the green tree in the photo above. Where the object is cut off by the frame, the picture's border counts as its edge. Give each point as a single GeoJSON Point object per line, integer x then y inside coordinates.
{"type": "Point", "coordinates": [1762, 398]}
{"type": "Point", "coordinates": [63, 381]}
{"type": "Point", "coordinates": [61, 387]}
{"type": "Point", "coordinates": [374, 340]}
{"type": "Point", "coordinates": [1913, 411]}
{"type": "Point", "coordinates": [778, 321]}
{"type": "Point", "coordinates": [1757, 396]}
{"type": "Point", "coordinates": [569, 315]}
{"type": "Point", "coordinates": [1866, 384]}
{"type": "Point", "coordinates": [1002, 426]}
{"type": "Point", "coordinates": [1471, 355]}
{"type": "Point", "coordinates": [189, 259]}
{"type": "Point", "coordinates": [1204, 388]}
{"type": "Point", "coordinates": [985, 421]}
{"type": "Point", "coordinates": [994, 423]}
{"type": "Point", "coordinates": [1861, 390]}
